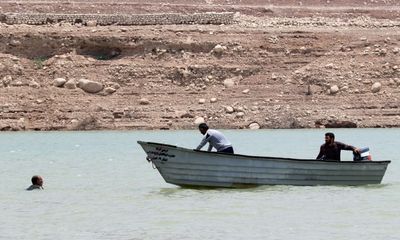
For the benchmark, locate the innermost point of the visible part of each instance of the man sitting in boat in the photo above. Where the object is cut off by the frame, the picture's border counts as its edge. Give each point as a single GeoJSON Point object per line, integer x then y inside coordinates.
{"type": "Point", "coordinates": [215, 139]}
{"type": "Point", "coordinates": [330, 150]}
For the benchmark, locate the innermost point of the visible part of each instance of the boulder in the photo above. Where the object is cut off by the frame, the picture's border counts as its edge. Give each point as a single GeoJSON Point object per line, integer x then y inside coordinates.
{"type": "Point", "coordinates": [229, 82]}
{"type": "Point", "coordinates": [334, 89]}
{"type": "Point", "coordinates": [376, 87]}
{"type": "Point", "coordinates": [59, 82]}
{"type": "Point", "coordinates": [144, 101]}
{"type": "Point", "coordinates": [239, 114]}
{"type": "Point", "coordinates": [340, 124]}
{"type": "Point", "coordinates": [218, 49]}
{"type": "Point", "coordinates": [70, 84]}
{"type": "Point", "coordinates": [91, 23]}
{"type": "Point", "coordinates": [90, 86]}
{"type": "Point", "coordinates": [254, 126]}
{"type": "Point", "coordinates": [229, 109]}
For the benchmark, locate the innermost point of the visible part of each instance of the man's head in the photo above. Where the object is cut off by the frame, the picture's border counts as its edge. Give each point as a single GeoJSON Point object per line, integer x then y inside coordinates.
{"type": "Point", "coordinates": [37, 180]}
{"type": "Point", "coordinates": [203, 128]}
{"type": "Point", "coordinates": [329, 137]}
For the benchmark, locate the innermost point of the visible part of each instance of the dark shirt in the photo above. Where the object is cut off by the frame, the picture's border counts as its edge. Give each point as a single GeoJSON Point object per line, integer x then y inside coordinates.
{"type": "Point", "coordinates": [332, 151]}
{"type": "Point", "coordinates": [33, 187]}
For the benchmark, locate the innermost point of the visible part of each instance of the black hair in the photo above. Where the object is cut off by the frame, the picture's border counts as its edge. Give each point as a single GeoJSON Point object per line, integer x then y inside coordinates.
{"type": "Point", "coordinates": [35, 179]}
{"type": "Point", "coordinates": [203, 126]}
{"type": "Point", "coordinates": [329, 134]}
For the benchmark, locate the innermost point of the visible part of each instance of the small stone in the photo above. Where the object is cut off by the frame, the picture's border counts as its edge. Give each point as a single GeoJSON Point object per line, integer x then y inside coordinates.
{"type": "Point", "coordinates": [229, 109]}
{"type": "Point", "coordinates": [376, 87]}
{"type": "Point", "coordinates": [91, 23]}
{"type": "Point", "coordinates": [334, 89]}
{"type": "Point", "coordinates": [110, 90]}
{"type": "Point", "coordinates": [229, 83]}
{"type": "Point", "coordinates": [213, 100]}
{"type": "Point", "coordinates": [202, 101]}
{"type": "Point", "coordinates": [246, 91]}
{"type": "Point", "coordinates": [59, 82]}
{"type": "Point", "coordinates": [199, 120]}
{"type": "Point", "coordinates": [218, 49]}
{"type": "Point", "coordinates": [144, 101]}
{"type": "Point", "coordinates": [70, 84]}
{"type": "Point", "coordinates": [239, 114]}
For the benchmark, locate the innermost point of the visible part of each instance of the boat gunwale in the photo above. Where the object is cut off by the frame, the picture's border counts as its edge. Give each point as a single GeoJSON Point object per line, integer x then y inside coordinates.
{"type": "Point", "coordinates": [264, 157]}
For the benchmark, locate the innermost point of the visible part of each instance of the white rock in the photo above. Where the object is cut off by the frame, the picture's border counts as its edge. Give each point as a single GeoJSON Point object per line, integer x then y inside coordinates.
{"type": "Point", "coordinates": [113, 85]}
{"type": "Point", "coordinates": [199, 120]}
{"type": "Point", "coordinates": [229, 82]}
{"type": "Point", "coordinates": [15, 42]}
{"type": "Point", "coordinates": [376, 87]}
{"type": "Point", "coordinates": [239, 114]}
{"type": "Point", "coordinates": [254, 126]}
{"type": "Point", "coordinates": [110, 90]}
{"type": "Point", "coordinates": [213, 100]}
{"type": "Point", "coordinates": [218, 49]}
{"type": "Point", "coordinates": [334, 89]}
{"type": "Point", "coordinates": [229, 109]}
{"type": "Point", "coordinates": [70, 84]}
{"type": "Point", "coordinates": [246, 91]}
{"type": "Point", "coordinates": [90, 86]}
{"type": "Point", "coordinates": [59, 82]}
{"type": "Point", "coordinates": [202, 101]}
{"type": "Point", "coordinates": [91, 23]}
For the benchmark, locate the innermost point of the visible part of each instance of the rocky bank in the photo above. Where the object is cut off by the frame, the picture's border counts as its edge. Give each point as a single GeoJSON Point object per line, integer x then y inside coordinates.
{"type": "Point", "coordinates": [307, 65]}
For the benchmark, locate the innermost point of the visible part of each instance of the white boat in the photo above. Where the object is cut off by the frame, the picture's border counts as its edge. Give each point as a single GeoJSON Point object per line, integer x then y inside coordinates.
{"type": "Point", "coordinates": [187, 167]}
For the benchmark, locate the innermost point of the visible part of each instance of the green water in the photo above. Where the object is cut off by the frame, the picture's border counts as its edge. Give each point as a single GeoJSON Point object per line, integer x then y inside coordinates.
{"type": "Point", "coordinates": [98, 185]}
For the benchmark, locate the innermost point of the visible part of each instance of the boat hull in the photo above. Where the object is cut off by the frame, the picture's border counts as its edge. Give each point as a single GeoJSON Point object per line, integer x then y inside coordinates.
{"type": "Point", "coordinates": [186, 167]}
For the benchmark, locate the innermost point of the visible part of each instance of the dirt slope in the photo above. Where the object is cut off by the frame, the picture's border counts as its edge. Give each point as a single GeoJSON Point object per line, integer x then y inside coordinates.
{"type": "Point", "coordinates": [285, 64]}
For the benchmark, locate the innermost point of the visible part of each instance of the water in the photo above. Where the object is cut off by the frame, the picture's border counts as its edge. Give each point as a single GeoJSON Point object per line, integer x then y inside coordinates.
{"type": "Point", "coordinates": [98, 185]}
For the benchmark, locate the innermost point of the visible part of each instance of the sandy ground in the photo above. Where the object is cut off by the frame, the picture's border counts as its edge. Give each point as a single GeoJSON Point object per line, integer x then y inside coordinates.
{"type": "Point", "coordinates": [285, 64]}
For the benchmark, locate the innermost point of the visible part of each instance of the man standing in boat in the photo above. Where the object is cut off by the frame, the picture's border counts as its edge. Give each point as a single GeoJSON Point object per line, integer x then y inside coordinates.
{"type": "Point", "coordinates": [330, 150]}
{"type": "Point", "coordinates": [215, 139]}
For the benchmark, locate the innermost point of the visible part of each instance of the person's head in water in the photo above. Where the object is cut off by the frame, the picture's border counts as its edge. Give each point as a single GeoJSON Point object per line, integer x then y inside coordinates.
{"type": "Point", "coordinates": [37, 180]}
{"type": "Point", "coordinates": [329, 138]}
{"type": "Point", "coordinates": [37, 183]}
{"type": "Point", "coordinates": [203, 128]}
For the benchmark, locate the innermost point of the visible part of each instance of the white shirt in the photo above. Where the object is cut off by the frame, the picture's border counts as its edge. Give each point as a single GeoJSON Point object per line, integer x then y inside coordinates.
{"type": "Point", "coordinates": [216, 140]}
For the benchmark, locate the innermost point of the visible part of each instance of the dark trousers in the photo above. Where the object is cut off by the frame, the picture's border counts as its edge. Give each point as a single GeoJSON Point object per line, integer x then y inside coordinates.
{"type": "Point", "coordinates": [227, 150]}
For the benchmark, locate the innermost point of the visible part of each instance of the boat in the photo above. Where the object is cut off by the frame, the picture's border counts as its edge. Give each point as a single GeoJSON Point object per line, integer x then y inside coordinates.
{"type": "Point", "coordinates": [195, 168]}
